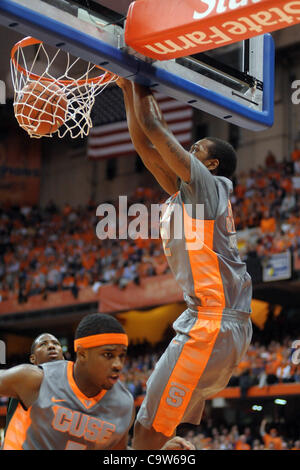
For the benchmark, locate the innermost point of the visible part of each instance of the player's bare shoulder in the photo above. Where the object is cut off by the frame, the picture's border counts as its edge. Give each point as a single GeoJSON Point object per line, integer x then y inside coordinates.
{"type": "Point", "coordinates": [22, 382]}
{"type": "Point", "coordinates": [30, 372]}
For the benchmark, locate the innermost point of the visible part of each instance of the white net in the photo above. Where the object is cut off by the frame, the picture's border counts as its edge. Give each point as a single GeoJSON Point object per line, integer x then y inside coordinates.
{"type": "Point", "coordinates": [49, 102]}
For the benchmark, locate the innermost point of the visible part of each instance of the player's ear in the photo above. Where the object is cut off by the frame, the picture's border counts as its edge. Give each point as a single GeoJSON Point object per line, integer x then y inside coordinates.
{"type": "Point", "coordinates": [211, 163]}
{"type": "Point", "coordinates": [81, 354]}
{"type": "Point", "coordinates": [32, 359]}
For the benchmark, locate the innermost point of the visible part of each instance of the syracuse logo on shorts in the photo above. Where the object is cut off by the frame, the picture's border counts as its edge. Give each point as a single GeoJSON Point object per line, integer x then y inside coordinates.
{"type": "Point", "coordinates": [176, 395]}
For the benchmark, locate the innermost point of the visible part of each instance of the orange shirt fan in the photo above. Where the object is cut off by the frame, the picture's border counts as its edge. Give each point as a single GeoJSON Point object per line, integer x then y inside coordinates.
{"type": "Point", "coordinates": [47, 101]}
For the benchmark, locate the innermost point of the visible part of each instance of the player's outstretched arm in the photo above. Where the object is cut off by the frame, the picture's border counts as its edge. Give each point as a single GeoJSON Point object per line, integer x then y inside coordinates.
{"type": "Point", "coordinates": [22, 382]}
{"type": "Point", "coordinates": [149, 155]}
{"type": "Point", "coordinates": [262, 428]}
{"type": "Point", "coordinates": [154, 126]}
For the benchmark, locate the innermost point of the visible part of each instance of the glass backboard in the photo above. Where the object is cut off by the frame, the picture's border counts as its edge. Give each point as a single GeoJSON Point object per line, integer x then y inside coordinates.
{"type": "Point", "coordinates": [235, 83]}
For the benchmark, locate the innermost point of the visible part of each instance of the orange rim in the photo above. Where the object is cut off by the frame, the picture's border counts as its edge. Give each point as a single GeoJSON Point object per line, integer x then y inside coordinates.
{"type": "Point", "coordinates": [30, 41]}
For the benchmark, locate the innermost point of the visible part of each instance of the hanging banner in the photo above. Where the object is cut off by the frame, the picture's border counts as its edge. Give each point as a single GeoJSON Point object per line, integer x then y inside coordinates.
{"type": "Point", "coordinates": [169, 29]}
{"type": "Point", "coordinates": [152, 291]}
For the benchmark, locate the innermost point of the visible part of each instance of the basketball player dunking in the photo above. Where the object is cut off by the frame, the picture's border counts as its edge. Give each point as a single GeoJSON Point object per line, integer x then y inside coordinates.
{"type": "Point", "coordinates": [75, 406]}
{"type": "Point", "coordinates": [215, 330]}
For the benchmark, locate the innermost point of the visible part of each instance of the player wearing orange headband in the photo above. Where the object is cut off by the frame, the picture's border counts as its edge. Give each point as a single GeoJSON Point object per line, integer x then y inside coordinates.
{"type": "Point", "coordinates": [76, 406]}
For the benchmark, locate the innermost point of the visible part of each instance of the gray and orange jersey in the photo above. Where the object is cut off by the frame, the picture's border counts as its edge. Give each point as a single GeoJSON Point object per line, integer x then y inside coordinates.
{"type": "Point", "coordinates": [64, 418]}
{"type": "Point", "coordinates": [199, 239]}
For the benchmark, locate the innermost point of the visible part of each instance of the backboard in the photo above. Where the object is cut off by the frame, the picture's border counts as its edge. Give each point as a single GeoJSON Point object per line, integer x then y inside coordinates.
{"type": "Point", "coordinates": [234, 83]}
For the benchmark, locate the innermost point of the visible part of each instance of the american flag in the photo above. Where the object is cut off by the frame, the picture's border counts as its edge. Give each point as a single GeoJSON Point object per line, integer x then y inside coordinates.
{"type": "Point", "coordinates": [113, 139]}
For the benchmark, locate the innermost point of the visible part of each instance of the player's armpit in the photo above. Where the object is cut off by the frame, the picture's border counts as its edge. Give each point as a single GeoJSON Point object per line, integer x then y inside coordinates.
{"type": "Point", "coordinates": [164, 176]}
{"type": "Point", "coordinates": [22, 382]}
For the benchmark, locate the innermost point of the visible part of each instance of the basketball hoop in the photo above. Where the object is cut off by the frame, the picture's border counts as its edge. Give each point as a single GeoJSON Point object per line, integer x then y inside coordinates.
{"type": "Point", "coordinates": [39, 68]}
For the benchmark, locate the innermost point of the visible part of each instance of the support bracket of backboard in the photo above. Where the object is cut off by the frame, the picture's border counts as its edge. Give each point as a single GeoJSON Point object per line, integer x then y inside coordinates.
{"type": "Point", "coordinates": [103, 44]}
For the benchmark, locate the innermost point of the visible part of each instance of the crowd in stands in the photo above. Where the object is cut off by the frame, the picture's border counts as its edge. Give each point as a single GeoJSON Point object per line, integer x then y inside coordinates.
{"type": "Point", "coordinates": [262, 365]}
{"type": "Point", "coordinates": [208, 436]}
{"type": "Point", "coordinates": [46, 249]}
{"type": "Point", "coordinates": [268, 199]}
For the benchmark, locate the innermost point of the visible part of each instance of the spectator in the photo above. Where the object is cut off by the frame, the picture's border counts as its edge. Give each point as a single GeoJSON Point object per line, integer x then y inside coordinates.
{"type": "Point", "coordinates": [241, 443]}
{"type": "Point", "coordinates": [268, 223]}
{"type": "Point", "coordinates": [248, 435]}
{"type": "Point", "coordinates": [283, 372]}
{"type": "Point", "coordinates": [270, 160]}
{"type": "Point", "coordinates": [129, 274]}
{"type": "Point", "coordinates": [296, 445]}
{"type": "Point", "coordinates": [271, 440]}
{"type": "Point", "coordinates": [287, 205]}
{"type": "Point", "coordinates": [257, 445]}
{"type": "Point", "coordinates": [245, 382]}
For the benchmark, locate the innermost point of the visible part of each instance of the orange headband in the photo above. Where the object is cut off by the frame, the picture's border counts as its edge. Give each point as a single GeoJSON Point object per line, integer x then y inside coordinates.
{"type": "Point", "coordinates": [100, 340]}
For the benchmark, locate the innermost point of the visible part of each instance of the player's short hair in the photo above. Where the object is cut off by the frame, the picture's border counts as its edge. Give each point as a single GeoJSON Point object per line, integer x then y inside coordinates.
{"type": "Point", "coordinates": [98, 323]}
{"type": "Point", "coordinates": [225, 153]}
